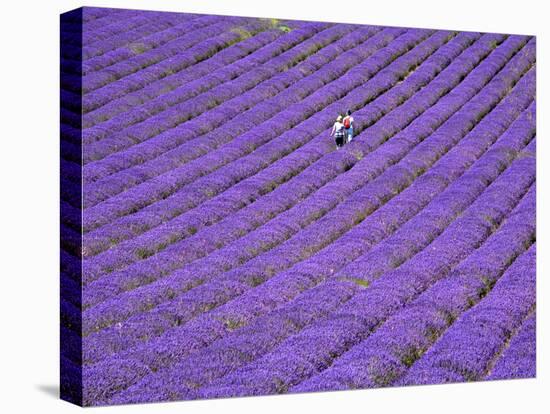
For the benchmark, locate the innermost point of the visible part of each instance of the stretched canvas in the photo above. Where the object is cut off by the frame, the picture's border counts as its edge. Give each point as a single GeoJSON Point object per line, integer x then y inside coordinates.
{"type": "Point", "coordinates": [255, 206]}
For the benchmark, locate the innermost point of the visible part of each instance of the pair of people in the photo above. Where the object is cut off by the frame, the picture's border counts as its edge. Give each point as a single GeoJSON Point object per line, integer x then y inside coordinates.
{"type": "Point", "coordinates": [342, 130]}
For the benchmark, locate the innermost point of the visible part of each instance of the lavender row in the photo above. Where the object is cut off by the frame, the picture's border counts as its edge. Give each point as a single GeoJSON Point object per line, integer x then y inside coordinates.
{"type": "Point", "coordinates": [167, 158]}
{"type": "Point", "coordinates": [387, 354]}
{"type": "Point", "coordinates": [235, 277]}
{"type": "Point", "coordinates": [224, 66]}
{"type": "Point", "coordinates": [119, 62]}
{"type": "Point", "coordinates": [271, 330]}
{"type": "Point", "coordinates": [170, 82]}
{"type": "Point", "coordinates": [329, 196]}
{"type": "Point", "coordinates": [103, 119]}
{"type": "Point", "coordinates": [284, 144]}
{"type": "Point", "coordinates": [192, 100]}
{"type": "Point", "coordinates": [290, 162]}
{"type": "Point", "coordinates": [133, 31]}
{"type": "Point", "coordinates": [72, 20]}
{"type": "Point", "coordinates": [73, 345]}
{"type": "Point", "coordinates": [465, 352]}
{"type": "Point", "coordinates": [71, 137]}
{"type": "Point", "coordinates": [376, 361]}
{"type": "Point", "coordinates": [70, 150]}
{"type": "Point", "coordinates": [101, 386]}
{"type": "Point", "coordinates": [294, 85]}
{"type": "Point", "coordinates": [75, 35]}
{"type": "Point", "coordinates": [70, 315]}
{"type": "Point", "coordinates": [214, 325]}
{"type": "Point", "coordinates": [99, 29]}
{"type": "Point", "coordinates": [128, 31]}
{"type": "Point", "coordinates": [178, 136]}
{"type": "Point", "coordinates": [177, 40]}
{"type": "Point", "coordinates": [70, 100]}
{"type": "Point", "coordinates": [85, 14]}
{"type": "Point", "coordinates": [157, 32]}
{"type": "Point", "coordinates": [180, 251]}
{"type": "Point", "coordinates": [95, 13]}
{"type": "Point", "coordinates": [315, 347]}
{"type": "Point", "coordinates": [70, 381]}
{"type": "Point", "coordinates": [277, 230]}
{"type": "Point", "coordinates": [98, 79]}
{"type": "Point", "coordinates": [376, 261]}
{"type": "Point", "coordinates": [99, 24]}
{"type": "Point", "coordinates": [127, 76]}
{"type": "Point", "coordinates": [72, 68]}
{"type": "Point", "coordinates": [519, 359]}
{"type": "Point", "coordinates": [183, 374]}
{"type": "Point", "coordinates": [110, 31]}
{"type": "Point", "coordinates": [269, 204]}
{"type": "Point", "coordinates": [270, 289]}
{"type": "Point", "coordinates": [245, 133]}
{"type": "Point", "coordinates": [348, 212]}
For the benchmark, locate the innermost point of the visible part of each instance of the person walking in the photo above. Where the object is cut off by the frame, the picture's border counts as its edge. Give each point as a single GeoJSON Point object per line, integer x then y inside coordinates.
{"type": "Point", "coordinates": [338, 132]}
{"type": "Point", "coordinates": [348, 126]}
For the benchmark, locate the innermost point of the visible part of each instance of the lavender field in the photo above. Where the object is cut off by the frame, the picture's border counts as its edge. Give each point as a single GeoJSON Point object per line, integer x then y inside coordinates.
{"type": "Point", "coordinates": [216, 244]}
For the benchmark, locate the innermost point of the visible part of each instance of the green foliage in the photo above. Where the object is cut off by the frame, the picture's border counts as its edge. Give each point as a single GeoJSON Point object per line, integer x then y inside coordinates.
{"type": "Point", "coordinates": [487, 286]}
{"type": "Point", "coordinates": [232, 324]}
{"type": "Point", "coordinates": [137, 48]}
{"type": "Point", "coordinates": [243, 34]}
{"type": "Point", "coordinates": [410, 356]}
{"type": "Point", "coordinates": [143, 253]}
{"type": "Point", "coordinates": [431, 333]}
{"type": "Point", "coordinates": [360, 282]}
{"type": "Point", "coordinates": [256, 280]}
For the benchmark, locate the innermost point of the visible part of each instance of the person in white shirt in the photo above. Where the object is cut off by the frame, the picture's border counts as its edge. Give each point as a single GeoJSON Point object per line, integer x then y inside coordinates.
{"type": "Point", "coordinates": [338, 132]}
{"type": "Point", "coordinates": [348, 126]}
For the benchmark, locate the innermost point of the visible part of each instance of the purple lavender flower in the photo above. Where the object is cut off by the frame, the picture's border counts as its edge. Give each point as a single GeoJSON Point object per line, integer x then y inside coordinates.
{"type": "Point", "coordinates": [214, 243]}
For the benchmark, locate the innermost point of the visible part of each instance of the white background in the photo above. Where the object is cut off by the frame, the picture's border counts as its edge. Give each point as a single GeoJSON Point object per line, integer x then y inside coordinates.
{"type": "Point", "coordinates": [29, 184]}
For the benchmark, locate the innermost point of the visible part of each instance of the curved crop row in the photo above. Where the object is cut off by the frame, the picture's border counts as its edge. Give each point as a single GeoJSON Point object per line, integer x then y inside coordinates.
{"type": "Point", "coordinates": [518, 359]}
{"type": "Point", "coordinates": [250, 342]}
{"type": "Point", "coordinates": [326, 199]}
{"type": "Point", "coordinates": [276, 149]}
{"type": "Point", "coordinates": [112, 116]}
{"type": "Point", "coordinates": [132, 31]}
{"type": "Point", "coordinates": [216, 242]}
{"type": "Point", "coordinates": [172, 251]}
{"type": "Point", "coordinates": [239, 307]}
{"type": "Point", "coordinates": [100, 87]}
{"type": "Point", "coordinates": [204, 297]}
{"type": "Point", "coordinates": [152, 41]}
{"type": "Point", "coordinates": [197, 100]}
{"type": "Point", "coordinates": [284, 168]}
{"type": "Point", "coordinates": [394, 347]}
{"type": "Point", "coordinates": [465, 352]}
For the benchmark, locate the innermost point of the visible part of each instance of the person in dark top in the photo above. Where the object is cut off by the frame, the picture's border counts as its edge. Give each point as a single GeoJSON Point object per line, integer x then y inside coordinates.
{"type": "Point", "coordinates": [338, 132]}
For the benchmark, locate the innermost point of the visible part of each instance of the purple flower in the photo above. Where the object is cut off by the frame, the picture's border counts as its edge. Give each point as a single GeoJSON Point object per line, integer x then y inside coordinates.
{"type": "Point", "coordinates": [214, 243]}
